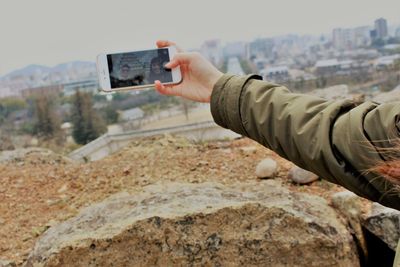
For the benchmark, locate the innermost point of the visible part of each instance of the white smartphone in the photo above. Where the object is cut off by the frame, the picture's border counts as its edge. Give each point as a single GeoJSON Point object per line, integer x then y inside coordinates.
{"type": "Point", "coordinates": [136, 69]}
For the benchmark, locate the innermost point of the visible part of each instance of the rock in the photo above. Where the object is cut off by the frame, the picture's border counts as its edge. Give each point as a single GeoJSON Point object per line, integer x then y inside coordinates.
{"type": "Point", "coordinates": [267, 168]}
{"type": "Point", "coordinates": [384, 223]}
{"type": "Point", "coordinates": [301, 176]}
{"type": "Point", "coordinates": [208, 224]}
{"type": "Point", "coordinates": [7, 263]}
{"type": "Point", "coordinates": [349, 204]}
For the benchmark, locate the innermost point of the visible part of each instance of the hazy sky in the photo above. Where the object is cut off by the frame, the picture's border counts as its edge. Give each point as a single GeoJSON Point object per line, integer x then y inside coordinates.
{"type": "Point", "coordinates": [49, 32]}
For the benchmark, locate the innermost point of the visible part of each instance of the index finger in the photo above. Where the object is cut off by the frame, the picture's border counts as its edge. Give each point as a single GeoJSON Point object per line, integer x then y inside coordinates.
{"type": "Point", "coordinates": [165, 43]}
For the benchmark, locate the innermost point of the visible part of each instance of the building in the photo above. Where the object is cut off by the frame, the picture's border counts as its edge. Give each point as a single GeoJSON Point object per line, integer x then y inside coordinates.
{"type": "Point", "coordinates": [212, 50]}
{"type": "Point", "coordinates": [361, 36]}
{"type": "Point", "coordinates": [344, 39]}
{"type": "Point", "coordinates": [89, 86]}
{"type": "Point", "coordinates": [276, 74]}
{"type": "Point", "coordinates": [381, 28]}
{"type": "Point", "coordinates": [327, 67]}
{"type": "Point", "coordinates": [261, 48]}
{"type": "Point", "coordinates": [334, 67]}
{"type": "Point", "coordinates": [386, 61]}
{"type": "Point", "coordinates": [338, 41]}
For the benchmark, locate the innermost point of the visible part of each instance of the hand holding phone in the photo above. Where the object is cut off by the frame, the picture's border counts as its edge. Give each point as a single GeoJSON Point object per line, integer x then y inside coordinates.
{"type": "Point", "coordinates": [198, 75]}
{"type": "Point", "coordinates": [137, 69]}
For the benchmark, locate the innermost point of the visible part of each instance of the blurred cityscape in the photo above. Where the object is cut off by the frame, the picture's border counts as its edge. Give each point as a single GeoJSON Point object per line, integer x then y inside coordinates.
{"type": "Point", "coordinates": [361, 63]}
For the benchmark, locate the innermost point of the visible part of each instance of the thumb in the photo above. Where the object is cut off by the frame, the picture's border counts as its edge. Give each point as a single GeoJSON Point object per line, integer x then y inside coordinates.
{"type": "Point", "coordinates": [179, 59]}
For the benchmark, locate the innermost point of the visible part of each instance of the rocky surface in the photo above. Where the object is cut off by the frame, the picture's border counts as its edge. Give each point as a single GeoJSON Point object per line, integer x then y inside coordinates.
{"type": "Point", "coordinates": [32, 155]}
{"type": "Point", "coordinates": [267, 168]}
{"type": "Point", "coordinates": [384, 223]}
{"type": "Point", "coordinates": [381, 221]}
{"type": "Point", "coordinates": [351, 206]}
{"type": "Point", "coordinates": [207, 224]}
{"type": "Point", "coordinates": [301, 176]}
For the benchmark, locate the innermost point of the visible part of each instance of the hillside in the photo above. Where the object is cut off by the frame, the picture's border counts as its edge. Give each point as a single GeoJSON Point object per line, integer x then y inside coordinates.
{"type": "Point", "coordinates": [40, 188]}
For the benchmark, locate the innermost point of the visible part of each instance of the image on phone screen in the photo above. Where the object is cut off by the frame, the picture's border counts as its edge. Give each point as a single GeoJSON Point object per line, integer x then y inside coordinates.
{"type": "Point", "coordinates": [138, 68]}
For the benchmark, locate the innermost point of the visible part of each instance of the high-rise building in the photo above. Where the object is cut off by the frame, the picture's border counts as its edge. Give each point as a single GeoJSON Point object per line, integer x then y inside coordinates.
{"type": "Point", "coordinates": [338, 38]}
{"type": "Point", "coordinates": [362, 36]}
{"type": "Point", "coordinates": [381, 28]}
{"type": "Point", "coordinates": [350, 38]}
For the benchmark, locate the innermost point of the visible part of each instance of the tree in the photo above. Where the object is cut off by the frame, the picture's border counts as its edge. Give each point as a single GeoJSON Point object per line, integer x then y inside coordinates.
{"type": "Point", "coordinates": [47, 123]}
{"type": "Point", "coordinates": [378, 43]}
{"type": "Point", "coordinates": [9, 105]}
{"type": "Point", "coordinates": [87, 124]}
{"type": "Point", "coordinates": [110, 114]}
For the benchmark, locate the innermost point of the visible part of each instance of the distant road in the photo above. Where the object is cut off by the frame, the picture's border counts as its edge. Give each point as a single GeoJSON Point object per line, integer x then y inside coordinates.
{"type": "Point", "coordinates": [234, 66]}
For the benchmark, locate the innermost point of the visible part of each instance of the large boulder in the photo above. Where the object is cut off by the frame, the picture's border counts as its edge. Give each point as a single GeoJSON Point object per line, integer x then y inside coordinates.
{"type": "Point", "coordinates": [208, 224]}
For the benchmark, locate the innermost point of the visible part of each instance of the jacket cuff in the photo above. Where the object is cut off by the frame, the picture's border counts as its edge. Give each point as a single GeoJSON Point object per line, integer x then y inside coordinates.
{"type": "Point", "coordinates": [225, 101]}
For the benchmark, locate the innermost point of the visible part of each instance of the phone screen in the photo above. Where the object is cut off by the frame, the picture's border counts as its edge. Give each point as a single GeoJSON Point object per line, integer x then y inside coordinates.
{"type": "Point", "coordinates": [138, 68]}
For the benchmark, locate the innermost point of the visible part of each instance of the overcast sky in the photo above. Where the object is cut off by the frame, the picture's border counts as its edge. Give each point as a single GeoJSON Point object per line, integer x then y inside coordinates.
{"type": "Point", "coordinates": [49, 32]}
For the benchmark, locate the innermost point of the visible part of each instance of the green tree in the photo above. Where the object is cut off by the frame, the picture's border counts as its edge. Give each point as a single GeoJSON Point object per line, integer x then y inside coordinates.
{"type": "Point", "coordinates": [9, 105]}
{"type": "Point", "coordinates": [47, 123]}
{"type": "Point", "coordinates": [378, 43]}
{"type": "Point", "coordinates": [87, 124]}
{"type": "Point", "coordinates": [110, 114]}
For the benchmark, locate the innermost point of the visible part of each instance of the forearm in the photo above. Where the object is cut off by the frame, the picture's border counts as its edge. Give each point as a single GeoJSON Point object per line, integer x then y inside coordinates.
{"type": "Point", "coordinates": [309, 131]}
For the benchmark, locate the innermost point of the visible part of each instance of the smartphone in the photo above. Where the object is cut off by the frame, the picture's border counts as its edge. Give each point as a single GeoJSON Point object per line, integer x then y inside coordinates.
{"type": "Point", "coordinates": [136, 69]}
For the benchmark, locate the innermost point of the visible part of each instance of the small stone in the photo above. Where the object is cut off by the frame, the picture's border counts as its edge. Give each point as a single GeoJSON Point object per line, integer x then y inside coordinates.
{"type": "Point", "coordinates": [301, 176]}
{"type": "Point", "coordinates": [267, 168]}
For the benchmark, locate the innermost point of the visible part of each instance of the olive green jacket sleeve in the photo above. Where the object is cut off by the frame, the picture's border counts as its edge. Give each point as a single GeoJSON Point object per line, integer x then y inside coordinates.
{"type": "Point", "coordinates": [337, 140]}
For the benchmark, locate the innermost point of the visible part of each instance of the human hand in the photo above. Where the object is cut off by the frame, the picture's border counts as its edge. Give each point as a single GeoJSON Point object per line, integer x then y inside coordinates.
{"type": "Point", "coordinates": [198, 75]}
